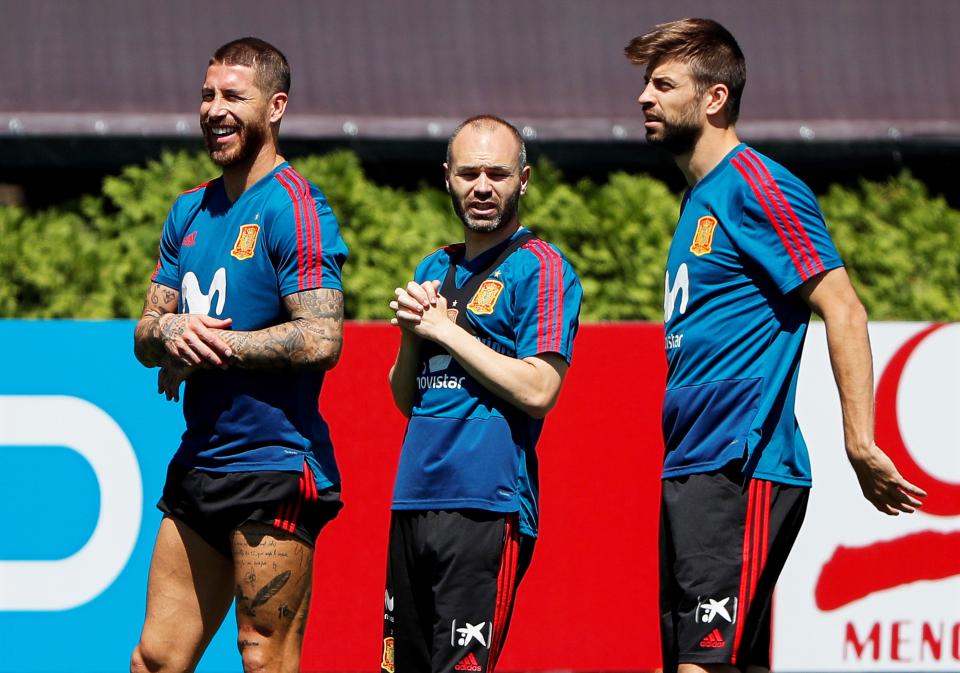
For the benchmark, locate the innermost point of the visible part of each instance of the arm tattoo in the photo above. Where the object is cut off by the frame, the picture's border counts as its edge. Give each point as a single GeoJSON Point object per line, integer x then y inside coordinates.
{"type": "Point", "coordinates": [148, 337]}
{"type": "Point", "coordinates": [311, 339]}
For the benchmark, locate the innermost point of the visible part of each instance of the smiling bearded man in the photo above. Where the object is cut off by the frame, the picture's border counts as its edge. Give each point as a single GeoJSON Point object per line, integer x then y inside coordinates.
{"type": "Point", "coordinates": [246, 306]}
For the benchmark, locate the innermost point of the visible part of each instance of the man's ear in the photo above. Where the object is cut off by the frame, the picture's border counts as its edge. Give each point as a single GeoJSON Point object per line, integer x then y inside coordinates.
{"type": "Point", "coordinates": [716, 98]}
{"type": "Point", "coordinates": [278, 105]}
{"type": "Point", "coordinates": [524, 179]}
{"type": "Point", "coordinates": [446, 176]}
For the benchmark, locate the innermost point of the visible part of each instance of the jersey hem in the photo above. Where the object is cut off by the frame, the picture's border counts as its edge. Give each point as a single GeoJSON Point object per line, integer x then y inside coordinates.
{"type": "Point", "coordinates": [466, 503]}
{"type": "Point", "coordinates": [322, 480]}
{"type": "Point", "coordinates": [701, 468]}
{"type": "Point", "coordinates": [781, 479]}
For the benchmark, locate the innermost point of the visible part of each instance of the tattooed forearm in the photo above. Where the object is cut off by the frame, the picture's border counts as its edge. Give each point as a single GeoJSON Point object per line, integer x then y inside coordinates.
{"type": "Point", "coordinates": [312, 339]}
{"type": "Point", "coordinates": [147, 337]}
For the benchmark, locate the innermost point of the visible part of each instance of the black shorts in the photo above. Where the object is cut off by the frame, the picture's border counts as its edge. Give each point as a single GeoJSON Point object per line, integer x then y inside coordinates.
{"type": "Point", "coordinates": [452, 577]}
{"type": "Point", "coordinates": [214, 504]}
{"type": "Point", "coordinates": [723, 542]}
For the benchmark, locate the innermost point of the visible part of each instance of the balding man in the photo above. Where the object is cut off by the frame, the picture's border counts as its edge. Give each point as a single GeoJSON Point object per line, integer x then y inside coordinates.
{"type": "Point", "coordinates": [487, 329]}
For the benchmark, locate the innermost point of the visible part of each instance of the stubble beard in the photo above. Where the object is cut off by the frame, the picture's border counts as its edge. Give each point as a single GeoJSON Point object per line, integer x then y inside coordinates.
{"type": "Point", "coordinates": [506, 215]}
{"type": "Point", "coordinates": [250, 138]}
{"type": "Point", "coordinates": [679, 137]}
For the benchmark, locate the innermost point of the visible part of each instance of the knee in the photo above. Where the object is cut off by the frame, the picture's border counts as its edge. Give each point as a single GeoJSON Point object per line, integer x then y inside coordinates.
{"type": "Point", "coordinates": [254, 651]}
{"type": "Point", "coordinates": [142, 662]}
{"type": "Point", "coordinates": [255, 658]}
{"type": "Point", "coordinates": [146, 659]}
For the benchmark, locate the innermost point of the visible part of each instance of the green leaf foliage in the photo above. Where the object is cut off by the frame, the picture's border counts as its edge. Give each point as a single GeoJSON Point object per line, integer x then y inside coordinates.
{"type": "Point", "coordinates": [93, 258]}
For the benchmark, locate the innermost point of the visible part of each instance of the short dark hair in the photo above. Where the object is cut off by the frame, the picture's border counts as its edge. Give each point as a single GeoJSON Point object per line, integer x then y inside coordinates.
{"type": "Point", "coordinates": [707, 47]}
{"type": "Point", "coordinates": [488, 122]}
{"type": "Point", "coordinates": [268, 62]}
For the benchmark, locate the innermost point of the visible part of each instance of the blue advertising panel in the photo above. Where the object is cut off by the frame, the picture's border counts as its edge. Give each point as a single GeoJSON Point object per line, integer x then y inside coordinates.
{"type": "Point", "coordinates": [84, 444]}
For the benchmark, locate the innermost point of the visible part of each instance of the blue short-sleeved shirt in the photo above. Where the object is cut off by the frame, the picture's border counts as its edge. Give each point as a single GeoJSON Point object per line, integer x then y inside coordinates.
{"type": "Point", "coordinates": [239, 260]}
{"type": "Point", "coordinates": [749, 234]}
{"type": "Point", "coordinates": [465, 447]}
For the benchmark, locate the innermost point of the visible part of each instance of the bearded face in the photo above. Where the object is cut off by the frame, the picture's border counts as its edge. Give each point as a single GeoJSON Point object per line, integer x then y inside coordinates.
{"type": "Point", "coordinates": [234, 114]}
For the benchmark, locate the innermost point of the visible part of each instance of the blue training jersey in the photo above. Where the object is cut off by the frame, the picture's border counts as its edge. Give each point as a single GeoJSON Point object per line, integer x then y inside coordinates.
{"type": "Point", "coordinates": [465, 447]}
{"type": "Point", "coordinates": [238, 260]}
{"type": "Point", "coordinates": [749, 234]}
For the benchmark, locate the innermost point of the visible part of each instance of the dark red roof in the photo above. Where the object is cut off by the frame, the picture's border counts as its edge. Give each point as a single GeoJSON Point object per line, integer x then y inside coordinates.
{"type": "Point", "coordinates": [817, 70]}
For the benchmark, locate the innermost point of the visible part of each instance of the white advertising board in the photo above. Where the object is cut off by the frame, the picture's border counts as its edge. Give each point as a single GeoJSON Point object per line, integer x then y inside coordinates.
{"type": "Point", "coordinates": [864, 591]}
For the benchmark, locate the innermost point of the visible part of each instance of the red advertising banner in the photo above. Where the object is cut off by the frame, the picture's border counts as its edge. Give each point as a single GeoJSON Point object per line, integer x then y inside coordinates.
{"type": "Point", "coordinates": [589, 601]}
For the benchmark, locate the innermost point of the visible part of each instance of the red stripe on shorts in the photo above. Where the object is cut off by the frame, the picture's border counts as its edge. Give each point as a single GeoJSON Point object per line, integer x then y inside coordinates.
{"type": "Point", "coordinates": [506, 589]}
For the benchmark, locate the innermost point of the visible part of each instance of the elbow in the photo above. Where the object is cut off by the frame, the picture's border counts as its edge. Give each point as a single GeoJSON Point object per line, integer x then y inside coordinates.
{"type": "Point", "coordinates": [538, 406]}
{"type": "Point", "coordinates": [849, 314]}
{"type": "Point", "coordinates": [324, 360]}
{"type": "Point", "coordinates": [142, 351]}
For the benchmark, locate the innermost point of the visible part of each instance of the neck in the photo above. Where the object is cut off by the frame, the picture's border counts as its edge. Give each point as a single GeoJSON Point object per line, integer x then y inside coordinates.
{"type": "Point", "coordinates": [238, 178]}
{"type": "Point", "coordinates": [478, 242]}
{"type": "Point", "coordinates": [712, 146]}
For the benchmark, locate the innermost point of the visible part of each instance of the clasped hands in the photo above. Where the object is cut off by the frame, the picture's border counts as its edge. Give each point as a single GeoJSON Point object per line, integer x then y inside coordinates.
{"type": "Point", "coordinates": [191, 342]}
{"type": "Point", "coordinates": [420, 309]}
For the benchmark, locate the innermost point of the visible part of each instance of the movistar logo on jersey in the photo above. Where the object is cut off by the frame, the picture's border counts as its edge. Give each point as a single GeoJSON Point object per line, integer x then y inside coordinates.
{"type": "Point", "coordinates": [434, 374]}
{"type": "Point", "coordinates": [196, 300]}
{"type": "Point", "coordinates": [681, 284]}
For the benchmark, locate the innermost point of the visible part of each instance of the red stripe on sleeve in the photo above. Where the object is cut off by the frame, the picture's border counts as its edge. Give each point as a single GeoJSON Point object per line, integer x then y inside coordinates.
{"type": "Point", "coordinates": [307, 226]}
{"type": "Point", "coordinates": [541, 307]}
{"type": "Point", "coordinates": [310, 205]}
{"type": "Point", "coordinates": [807, 245]}
{"type": "Point", "coordinates": [296, 211]}
{"type": "Point", "coordinates": [758, 192]}
{"type": "Point", "coordinates": [304, 212]}
{"type": "Point", "coordinates": [756, 167]}
{"type": "Point", "coordinates": [550, 300]}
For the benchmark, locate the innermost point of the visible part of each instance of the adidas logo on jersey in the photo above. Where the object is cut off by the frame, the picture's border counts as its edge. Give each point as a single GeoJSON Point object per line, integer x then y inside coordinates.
{"type": "Point", "coordinates": [468, 663]}
{"type": "Point", "coordinates": [713, 639]}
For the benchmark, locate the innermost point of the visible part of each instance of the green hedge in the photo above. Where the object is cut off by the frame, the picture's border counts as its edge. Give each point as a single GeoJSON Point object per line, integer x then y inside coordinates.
{"type": "Point", "coordinates": [93, 258]}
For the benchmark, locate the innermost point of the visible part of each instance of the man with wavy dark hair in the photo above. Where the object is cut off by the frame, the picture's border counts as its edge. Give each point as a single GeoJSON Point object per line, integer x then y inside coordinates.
{"type": "Point", "coordinates": [246, 307]}
{"type": "Point", "coordinates": [750, 258]}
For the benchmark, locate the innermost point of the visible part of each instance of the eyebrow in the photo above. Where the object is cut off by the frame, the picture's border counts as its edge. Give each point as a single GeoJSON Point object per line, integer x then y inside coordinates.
{"type": "Point", "coordinates": [489, 167]}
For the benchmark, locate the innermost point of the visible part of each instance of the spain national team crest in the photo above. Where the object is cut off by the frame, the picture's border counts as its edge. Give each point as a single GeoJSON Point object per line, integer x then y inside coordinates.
{"type": "Point", "coordinates": [486, 297]}
{"type": "Point", "coordinates": [703, 239]}
{"type": "Point", "coordinates": [386, 662]}
{"type": "Point", "coordinates": [246, 241]}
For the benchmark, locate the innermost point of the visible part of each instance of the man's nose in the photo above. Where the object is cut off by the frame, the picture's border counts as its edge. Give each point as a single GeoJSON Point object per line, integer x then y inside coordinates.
{"type": "Point", "coordinates": [217, 108]}
{"type": "Point", "coordinates": [482, 185]}
{"type": "Point", "coordinates": [645, 98]}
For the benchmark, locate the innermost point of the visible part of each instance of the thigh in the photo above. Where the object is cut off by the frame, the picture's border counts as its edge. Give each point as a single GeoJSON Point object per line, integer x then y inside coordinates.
{"type": "Point", "coordinates": [703, 522]}
{"type": "Point", "coordinates": [408, 598]}
{"type": "Point", "coordinates": [724, 540]}
{"type": "Point", "coordinates": [481, 558]}
{"type": "Point", "coordinates": [189, 591]}
{"type": "Point", "coordinates": [272, 571]}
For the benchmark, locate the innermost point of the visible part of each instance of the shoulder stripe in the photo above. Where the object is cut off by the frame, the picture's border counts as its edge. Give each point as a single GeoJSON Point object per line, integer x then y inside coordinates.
{"type": "Point", "coordinates": [550, 296]}
{"type": "Point", "coordinates": [310, 204]}
{"type": "Point", "coordinates": [311, 226]}
{"type": "Point", "coordinates": [749, 173]}
{"type": "Point", "coordinates": [298, 216]}
{"type": "Point", "coordinates": [195, 189]}
{"type": "Point", "coordinates": [791, 213]}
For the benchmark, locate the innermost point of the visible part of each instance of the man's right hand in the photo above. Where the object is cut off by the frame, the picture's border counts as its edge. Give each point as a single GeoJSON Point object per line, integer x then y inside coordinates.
{"type": "Point", "coordinates": [187, 338]}
{"type": "Point", "coordinates": [882, 484]}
